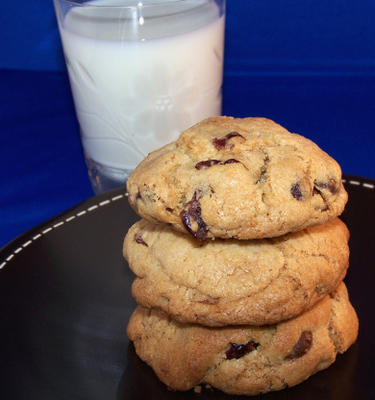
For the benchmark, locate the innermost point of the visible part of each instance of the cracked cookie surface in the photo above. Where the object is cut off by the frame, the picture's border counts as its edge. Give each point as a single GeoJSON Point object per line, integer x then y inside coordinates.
{"type": "Point", "coordinates": [238, 178]}
{"type": "Point", "coordinates": [221, 282]}
{"type": "Point", "coordinates": [245, 360]}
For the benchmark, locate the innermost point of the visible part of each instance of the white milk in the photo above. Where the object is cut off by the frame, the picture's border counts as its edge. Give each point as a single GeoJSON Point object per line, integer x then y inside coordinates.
{"type": "Point", "coordinates": [138, 82]}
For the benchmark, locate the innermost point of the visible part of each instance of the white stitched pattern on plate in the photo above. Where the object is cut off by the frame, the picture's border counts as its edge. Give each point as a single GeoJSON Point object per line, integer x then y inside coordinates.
{"type": "Point", "coordinates": [358, 183]}
{"type": "Point", "coordinates": [120, 196]}
{"type": "Point", "coordinates": [115, 198]}
{"type": "Point", "coordinates": [57, 225]}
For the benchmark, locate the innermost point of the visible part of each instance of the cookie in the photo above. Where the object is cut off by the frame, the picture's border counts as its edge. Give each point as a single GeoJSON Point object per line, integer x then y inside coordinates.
{"type": "Point", "coordinates": [245, 360]}
{"type": "Point", "coordinates": [238, 178]}
{"type": "Point", "coordinates": [221, 282]}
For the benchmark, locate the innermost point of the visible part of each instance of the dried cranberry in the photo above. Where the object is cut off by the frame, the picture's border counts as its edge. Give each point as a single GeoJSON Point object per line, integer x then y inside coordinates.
{"type": "Point", "coordinates": [302, 346]}
{"type": "Point", "coordinates": [209, 163]}
{"type": "Point", "coordinates": [191, 213]}
{"type": "Point", "coordinates": [331, 185]}
{"type": "Point", "coordinates": [230, 161]}
{"type": "Point", "coordinates": [296, 192]}
{"type": "Point", "coordinates": [239, 350]}
{"type": "Point", "coordinates": [138, 238]}
{"type": "Point", "coordinates": [206, 164]}
{"type": "Point", "coordinates": [212, 301]}
{"type": "Point", "coordinates": [220, 143]}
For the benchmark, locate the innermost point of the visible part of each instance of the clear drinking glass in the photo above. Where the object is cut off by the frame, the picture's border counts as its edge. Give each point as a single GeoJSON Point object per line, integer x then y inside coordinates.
{"type": "Point", "coordinates": [140, 73]}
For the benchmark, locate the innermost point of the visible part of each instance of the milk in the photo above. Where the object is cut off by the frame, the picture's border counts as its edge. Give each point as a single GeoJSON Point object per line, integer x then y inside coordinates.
{"type": "Point", "coordinates": [140, 76]}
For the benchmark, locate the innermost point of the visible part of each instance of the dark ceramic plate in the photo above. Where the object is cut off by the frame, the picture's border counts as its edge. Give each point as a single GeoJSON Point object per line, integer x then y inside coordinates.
{"type": "Point", "coordinates": [65, 302]}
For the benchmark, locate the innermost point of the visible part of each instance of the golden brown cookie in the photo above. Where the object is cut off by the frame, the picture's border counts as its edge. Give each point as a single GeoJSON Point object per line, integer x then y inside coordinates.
{"type": "Point", "coordinates": [245, 360]}
{"type": "Point", "coordinates": [231, 282]}
{"type": "Point", "coordinates": [238, 178]}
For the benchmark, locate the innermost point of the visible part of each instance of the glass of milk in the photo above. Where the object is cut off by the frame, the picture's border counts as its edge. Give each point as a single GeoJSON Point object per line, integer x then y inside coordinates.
{"type": "Point", "coordinates": [140, 73]}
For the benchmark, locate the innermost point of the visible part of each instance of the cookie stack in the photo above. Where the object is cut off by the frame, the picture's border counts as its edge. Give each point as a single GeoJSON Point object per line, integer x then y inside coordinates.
{"type": "Point", "coordinates": [239, 258]}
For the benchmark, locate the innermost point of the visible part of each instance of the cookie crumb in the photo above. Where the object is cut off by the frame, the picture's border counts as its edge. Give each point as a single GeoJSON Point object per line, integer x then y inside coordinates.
{"type": "Point", "coordinates": [197, 389]}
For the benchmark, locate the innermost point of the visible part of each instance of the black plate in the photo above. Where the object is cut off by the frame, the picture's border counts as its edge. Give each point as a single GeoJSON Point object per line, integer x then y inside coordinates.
{"type": "Point", "coordinates": [65, 302]}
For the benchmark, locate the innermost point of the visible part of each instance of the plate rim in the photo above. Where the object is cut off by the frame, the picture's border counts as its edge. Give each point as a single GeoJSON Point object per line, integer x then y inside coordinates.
{"type": "Point", "coordinates": [10, 250]}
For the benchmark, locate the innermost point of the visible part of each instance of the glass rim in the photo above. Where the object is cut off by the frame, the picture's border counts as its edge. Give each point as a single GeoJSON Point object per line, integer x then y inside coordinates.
{"type": "Point", "coordinates": [139, 4]}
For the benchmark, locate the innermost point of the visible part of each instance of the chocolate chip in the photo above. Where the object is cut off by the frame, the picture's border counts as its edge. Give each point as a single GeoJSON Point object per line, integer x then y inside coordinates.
{"type": "Point", "coordinates": [192, 212]}
{"type": "Point", "coordinates": [209, 163]}
{"type": "Point", "coordinates": [302, 346]}
{"type": "Point", "coordinates": [239, 350]}
{"type": "Point", "coordinates": [138, 195]}
{"type": "Point", "coordinates": [206, 164]}
{"type": "Point", "coordinates": [220, 143]}
{"type": "Point", "coordinates": [138, 238]}
{"type": "Point", "coordinates": [331, 185]}
{"type": "Point", "coordinates": [169, 209]}
{"type": "Point", "coordinates": [296, 192]}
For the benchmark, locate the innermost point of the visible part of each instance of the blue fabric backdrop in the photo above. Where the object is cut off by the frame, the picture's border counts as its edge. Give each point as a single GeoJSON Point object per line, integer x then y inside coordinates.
{"type": "Point", "coordinates": [263, 36]}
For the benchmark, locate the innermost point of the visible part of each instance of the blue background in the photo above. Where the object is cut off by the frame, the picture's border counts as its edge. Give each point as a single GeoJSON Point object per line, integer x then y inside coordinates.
{"type": "Point", "coordinates": [307, 64]}
{"type": "Point", "coordinates": [267, 37]}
